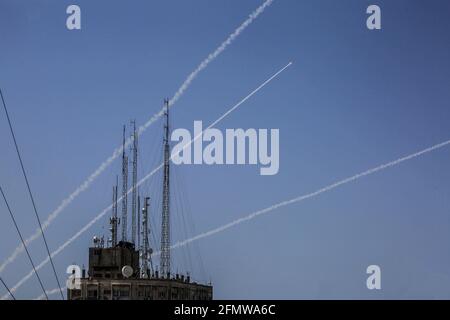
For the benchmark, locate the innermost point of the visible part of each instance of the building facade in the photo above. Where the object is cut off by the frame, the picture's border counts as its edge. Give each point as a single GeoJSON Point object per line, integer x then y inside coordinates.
{"type": "Point", "coordinates": [114, 274]}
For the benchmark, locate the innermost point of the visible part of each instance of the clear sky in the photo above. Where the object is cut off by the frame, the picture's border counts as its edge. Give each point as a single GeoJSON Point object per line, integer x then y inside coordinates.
{"type": "Point", "coordinates": [353, 99]}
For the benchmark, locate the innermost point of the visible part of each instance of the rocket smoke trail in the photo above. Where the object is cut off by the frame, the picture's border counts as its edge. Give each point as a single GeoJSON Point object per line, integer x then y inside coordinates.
{"type": "Point", "coordinates": [300, 198]}
{"type": "Point", "coordinates": [118, 151]}
{"type": "Point", "coordinates": [49, 293]}
{"type": "Point", "coordinates": [309, 195]}
{"type": "Point", "coordinates": [106, 210]}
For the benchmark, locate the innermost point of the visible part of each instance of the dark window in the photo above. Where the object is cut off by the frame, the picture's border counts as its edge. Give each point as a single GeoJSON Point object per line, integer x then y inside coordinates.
{"type": "Point", "coordinates": [92, 293]}
{"type": "Point", "coordinates": [121, 292]}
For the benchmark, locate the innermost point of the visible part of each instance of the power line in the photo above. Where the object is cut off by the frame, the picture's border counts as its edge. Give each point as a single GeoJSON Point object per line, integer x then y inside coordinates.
{"type": "Point", "coordinates": [23, 241]}
{"type": "Point", "coordinates": [30, 193]}
{"type": "Point", "coordinates": [9, 291]}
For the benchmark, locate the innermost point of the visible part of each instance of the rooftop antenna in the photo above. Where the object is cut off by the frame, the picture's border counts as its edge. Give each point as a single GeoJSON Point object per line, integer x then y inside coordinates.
{"type": "Point", "coordinates": [145, 251]}
{"type": "Point", "coordinates": [134, 182]}
{"type": "Point", "coordinates": [124, 189]}
{"type": "Point", "coordinates": [138, 220]}
{"type": "Point", "coordinates": [114, 221]}
{"type": "Point", "coordinates": [165, 225]}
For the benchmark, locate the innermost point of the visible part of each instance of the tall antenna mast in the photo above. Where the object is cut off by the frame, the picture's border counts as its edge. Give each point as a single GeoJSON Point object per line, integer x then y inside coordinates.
{"type": "Point", "coordinates": [124, 189]}
{"type": "Point", "coordinates": [138, 221]}
{"type": "Point", "coordinates": [145, 249]}
{"type": "Point", "coordinates": [165, 230]}
{"type": "Point", "coordinates": [134, 182]}
{"type": "Point", "coordinates": [114, 220]}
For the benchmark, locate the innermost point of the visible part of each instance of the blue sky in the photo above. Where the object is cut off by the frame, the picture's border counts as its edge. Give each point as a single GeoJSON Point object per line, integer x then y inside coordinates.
{"type": "Point", "coordinates": [353, 99]}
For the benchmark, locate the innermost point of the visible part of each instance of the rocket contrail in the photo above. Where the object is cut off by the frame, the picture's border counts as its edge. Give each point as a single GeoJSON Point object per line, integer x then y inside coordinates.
{"type": "Point", "coordinates": [118, 151]}
{"type": "Point", "coordinates": [309, 195]}
{"type": "Point", "coordinates": [107, 209]}
{"type": "Point", "coordinates": [49, 293]}
{"type": "Point", "coordinates": [305, 197]}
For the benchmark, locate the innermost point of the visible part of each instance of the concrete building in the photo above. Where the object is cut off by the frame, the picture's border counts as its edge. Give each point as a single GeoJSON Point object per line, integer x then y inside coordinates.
{"type": "Point", "coordinates": [114, 274]}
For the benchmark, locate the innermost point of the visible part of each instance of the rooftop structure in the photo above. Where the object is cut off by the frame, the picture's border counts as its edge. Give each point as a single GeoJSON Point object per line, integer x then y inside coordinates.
{"type": "Point", "coordinates": [123, 270]}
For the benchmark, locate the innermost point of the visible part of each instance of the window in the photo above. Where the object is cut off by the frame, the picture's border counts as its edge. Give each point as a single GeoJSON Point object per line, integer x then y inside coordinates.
{"type": "Point", "coordinates": [121, 291]}
{"type": "Point", "coordinates": [92, 293]}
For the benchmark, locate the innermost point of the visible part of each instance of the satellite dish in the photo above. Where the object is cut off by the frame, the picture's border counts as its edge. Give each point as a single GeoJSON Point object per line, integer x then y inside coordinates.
{"type": "Point", "coordinates": [127, 271]}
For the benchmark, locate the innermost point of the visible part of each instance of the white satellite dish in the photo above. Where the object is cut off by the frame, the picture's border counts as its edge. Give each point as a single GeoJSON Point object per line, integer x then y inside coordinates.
{"type": "Point", "coordinates": [127, 271]}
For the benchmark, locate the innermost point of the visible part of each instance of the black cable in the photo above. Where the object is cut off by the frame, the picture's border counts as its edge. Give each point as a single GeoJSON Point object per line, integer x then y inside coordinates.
{"type": "Point", "coordinates": [9, 291]}
{"type": "Point", "coordinates": [23, 241]}
{"type": "Point", "coordinates": [31, 194]}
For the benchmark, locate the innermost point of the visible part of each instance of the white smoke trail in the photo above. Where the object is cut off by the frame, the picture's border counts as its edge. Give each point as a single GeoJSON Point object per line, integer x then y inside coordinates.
{"type": "Point", "coordinates": [106, 210]}
{"type": "Point", "coordinates": [304, 197]}
{"type": "Point", "coordinates": [221, 48]}
{"type": "Point", "coordinates": [49, 293]}
{"type": "Point", "coordinates": [309, 195]}
{"type": "Point", "coordinates": [118, 151]}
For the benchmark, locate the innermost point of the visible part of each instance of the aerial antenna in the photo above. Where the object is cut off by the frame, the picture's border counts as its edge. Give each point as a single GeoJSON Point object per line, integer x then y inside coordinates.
{"type": "Point", "coordinates": [124, 189]}
{"type": "Point", "coordinates": [138, 220]}
{"type": "Point", "coordinates": [165, 225]}
{"type": "Point", "coordinates": [145, 251]}
{"type": "Point", "coordinates": [134, 182]}
{"type": "Point", "coordinates": [114, 220]}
